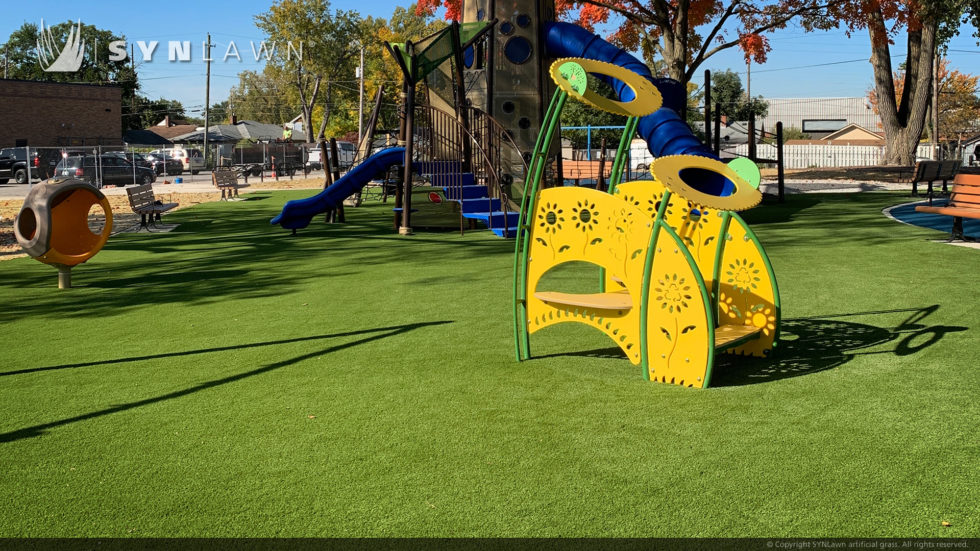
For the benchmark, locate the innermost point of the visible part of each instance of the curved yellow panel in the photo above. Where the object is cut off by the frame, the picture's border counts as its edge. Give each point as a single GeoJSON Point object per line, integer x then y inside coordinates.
{"type": "Point", "coordinates": [698, 227]}
{"type": "Point", "coordinates": [579, 224]}
{"type": "Point", "coordinates": [747, 292]}
{"type": "Point", "coordinates": [669, 171]}
{"type": "Point", "coordinates": [680, 331]}
{"type": "Point", "coordinates": [570, 74]}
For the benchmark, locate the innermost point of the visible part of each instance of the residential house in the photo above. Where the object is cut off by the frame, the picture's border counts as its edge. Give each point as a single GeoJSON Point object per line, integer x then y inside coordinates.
{"type": "Point", "coordinates": [819, 117]}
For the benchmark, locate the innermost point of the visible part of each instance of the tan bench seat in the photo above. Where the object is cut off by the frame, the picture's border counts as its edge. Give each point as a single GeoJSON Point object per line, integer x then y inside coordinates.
{"type": "Point", "coordinates": [617, 300]}
{"type": "Point", "coordinates": [726, 336]}
{"type": "Point", "coordinates": [964, 202]}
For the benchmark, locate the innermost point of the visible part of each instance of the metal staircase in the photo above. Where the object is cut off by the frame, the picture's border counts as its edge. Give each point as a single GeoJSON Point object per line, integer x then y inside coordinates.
{"type": "Point", "coordinates": [474, 162]}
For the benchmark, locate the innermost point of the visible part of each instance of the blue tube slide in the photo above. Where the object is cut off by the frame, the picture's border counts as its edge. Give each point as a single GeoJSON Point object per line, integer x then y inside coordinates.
{"type": "Point", "coordinates": [298, 213]}
{"type": "Point", "coordinates": [663, 130]}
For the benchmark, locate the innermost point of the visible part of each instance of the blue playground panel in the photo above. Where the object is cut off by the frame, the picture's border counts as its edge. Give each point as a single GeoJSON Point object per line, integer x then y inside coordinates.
{"type": "Point", "coordinates": [940, 222]}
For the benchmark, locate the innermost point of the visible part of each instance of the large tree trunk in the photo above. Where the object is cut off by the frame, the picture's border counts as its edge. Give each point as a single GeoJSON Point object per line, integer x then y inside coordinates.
{"type": "Point", "coordinates": [675, 50]}
{"type": "Point", "coordinates": [904, 120]}
{"type": "Point", "coordinates": [326, 112]}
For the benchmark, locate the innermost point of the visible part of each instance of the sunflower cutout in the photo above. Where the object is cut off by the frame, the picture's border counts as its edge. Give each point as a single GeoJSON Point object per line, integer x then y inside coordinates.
{"type": "Point", "coordinates": [551, 218]}
{"type": "Point", "coordinates": [763, 318]}
{"type": "Point", "coordinates": [743, 275]}
{"type": "Point", "coordinates": [585, 216]}
{"type": "Point", "coordinates": [672, 293]}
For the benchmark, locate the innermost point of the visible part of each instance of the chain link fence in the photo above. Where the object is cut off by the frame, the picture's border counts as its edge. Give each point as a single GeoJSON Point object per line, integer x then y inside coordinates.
{"type": "Point", "coordinates": [129, 164]}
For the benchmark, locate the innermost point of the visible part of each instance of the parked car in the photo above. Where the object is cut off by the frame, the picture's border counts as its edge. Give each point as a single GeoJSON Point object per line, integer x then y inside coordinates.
{"type": "Point", "coordinates": [109, 170]}
{"type": "Point", "coordinates": [346, 152]}
{"type": "Point", "coordinates": [160, 161]}
{"type": "Point", "coordinates": [13, 164]}
{"type": "Point", "coordinates": [190, 159]}
{"type": "Point", "coordinates": [132, 157]}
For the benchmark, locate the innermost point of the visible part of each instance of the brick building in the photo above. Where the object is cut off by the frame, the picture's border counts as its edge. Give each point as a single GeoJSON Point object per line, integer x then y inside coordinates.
{"type": "Point", "coordinates": [55, 113]}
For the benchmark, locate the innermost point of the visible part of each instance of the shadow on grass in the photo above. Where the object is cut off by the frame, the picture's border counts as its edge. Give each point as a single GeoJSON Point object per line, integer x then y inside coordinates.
{"type": "Point", "coordinates": [375, 334]}
{"type": "Point", "coordinates": [774, 212]}
{"type": "Point", "coordinates": [811, 345]}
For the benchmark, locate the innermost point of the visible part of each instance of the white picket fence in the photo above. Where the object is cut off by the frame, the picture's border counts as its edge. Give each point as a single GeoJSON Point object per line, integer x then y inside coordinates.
{"type": "Point", "coordinates": [812, 155]}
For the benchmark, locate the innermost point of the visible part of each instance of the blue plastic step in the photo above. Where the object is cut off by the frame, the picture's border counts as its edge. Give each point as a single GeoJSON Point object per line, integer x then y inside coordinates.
{"type": "Point", "coordinates": [494, 219]}
{"type": "Point", "coordinates": [453, 179]}
{"type": "Point", "coordinates": [437, 167]}
{"type": "Point", "coordinates": [511, 232]}
{"type": "Point", "coordinates": [467, 192]}
{"type": "Point", "coordinates": [484, 204]}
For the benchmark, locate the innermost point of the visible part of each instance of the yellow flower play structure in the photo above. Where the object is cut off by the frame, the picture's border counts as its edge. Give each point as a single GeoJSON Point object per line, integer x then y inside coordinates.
{"type": "Point", "coordinates": [682, 276]}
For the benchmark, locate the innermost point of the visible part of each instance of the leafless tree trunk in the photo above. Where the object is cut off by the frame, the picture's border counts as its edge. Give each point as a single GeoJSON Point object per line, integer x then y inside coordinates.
{"type": "Point", "coordinates": [904, 120]}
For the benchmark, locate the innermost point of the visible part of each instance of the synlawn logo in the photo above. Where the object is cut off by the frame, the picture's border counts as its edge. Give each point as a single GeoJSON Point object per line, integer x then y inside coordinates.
{"type": "Point", "coordinates": [66, 58]}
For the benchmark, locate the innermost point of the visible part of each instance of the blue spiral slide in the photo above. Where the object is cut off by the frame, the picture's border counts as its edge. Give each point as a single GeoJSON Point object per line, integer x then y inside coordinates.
{"type": "Point", "coordinates": [663, 130]}
{"type": "Point", "coordinates": [298, 213]}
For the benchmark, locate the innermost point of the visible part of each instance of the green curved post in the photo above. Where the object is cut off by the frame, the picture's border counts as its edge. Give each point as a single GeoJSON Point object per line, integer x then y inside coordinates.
{"type": "Point", "coordinates": [645, 289]}
{"type": "Point", "coordinates": [772, 275]}
{"type": "Point", "coordinates": [521, 247]}
{"type": "Point", "coordinates": [622, 152]}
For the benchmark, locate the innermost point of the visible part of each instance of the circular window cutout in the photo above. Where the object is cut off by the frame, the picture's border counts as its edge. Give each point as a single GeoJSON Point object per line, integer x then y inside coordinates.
{"type": "Point", "coordinates": [518, 50]}
{"type": "Point", "coordinates": [480, 14]}
{"type": "Point", "coordinates": [468, 56]}
{"type": "Point", "coordinates": [524, 123]}
{"type": "Point", "coordinates": [506, 28]}
{"type": "Point", "coordinates": [508, 107]}
{"type": "Point", "coordinates": [523, 20]}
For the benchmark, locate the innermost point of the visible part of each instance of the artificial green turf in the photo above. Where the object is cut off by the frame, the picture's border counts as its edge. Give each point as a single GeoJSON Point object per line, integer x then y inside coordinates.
{"type": "Point", "coordinates": [226, 379]}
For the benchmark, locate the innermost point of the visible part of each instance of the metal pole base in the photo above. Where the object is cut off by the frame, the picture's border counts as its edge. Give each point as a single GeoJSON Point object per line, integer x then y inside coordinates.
{"type": "Point", "coordinates": [64, 277]}
{"type": "Point", "coordinates": [404, 230]}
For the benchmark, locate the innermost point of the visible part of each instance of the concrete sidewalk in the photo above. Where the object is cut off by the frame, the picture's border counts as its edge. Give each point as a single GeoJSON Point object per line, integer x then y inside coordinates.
{"type": "Point", "coordinates": [200, 183]}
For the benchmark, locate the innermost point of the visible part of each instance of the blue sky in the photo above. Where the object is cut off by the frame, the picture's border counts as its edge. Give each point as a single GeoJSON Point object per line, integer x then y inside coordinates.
{"type": "Point", "coordinates": [825, 64]}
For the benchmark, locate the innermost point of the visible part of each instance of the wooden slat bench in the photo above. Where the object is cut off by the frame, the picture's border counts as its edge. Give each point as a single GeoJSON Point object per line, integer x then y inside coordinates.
{"type": "Point", "coordinates": [145, 204]}
{"type": "Point", "coordinates": [584, 170]}
{"type": "Point", "coordinates": [929, 172]}
{"type": "Point", "coordinates": [226, 180]}
{"type": "Point", "coordinates": [964, 202]}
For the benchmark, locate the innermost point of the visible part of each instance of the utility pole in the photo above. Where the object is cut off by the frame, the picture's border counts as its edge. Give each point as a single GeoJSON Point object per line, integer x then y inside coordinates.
{"type": "Point", "coordinates": [5, 61]}
{"type": "Point", "coordinates": [360, 103]}
{"type": "Point", "coordinates": [748, 85]}
{"type": "Point", "coordinates": [207, 100]}
{"type": "Point", "coordinates": [935, 106]}
{"type": "Point", "coordinates": [132, 109]}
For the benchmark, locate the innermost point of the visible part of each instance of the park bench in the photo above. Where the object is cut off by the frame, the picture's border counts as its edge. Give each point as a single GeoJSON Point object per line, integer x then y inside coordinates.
{"type": "Point", "coordinates": [584, 170]}
{"type": "Point", "coordinates": [145, 204]}
{"type": "Point", "coordinates": [964, 202]}
{"type": "Point", "coordinates": [929, 172]}
{"type": "Point", "coordinates": [226, 180]}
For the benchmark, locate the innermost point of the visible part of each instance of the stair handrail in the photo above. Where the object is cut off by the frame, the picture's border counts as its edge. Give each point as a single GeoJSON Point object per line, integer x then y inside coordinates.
{"type": "Point", "coordinates": [437, 129]}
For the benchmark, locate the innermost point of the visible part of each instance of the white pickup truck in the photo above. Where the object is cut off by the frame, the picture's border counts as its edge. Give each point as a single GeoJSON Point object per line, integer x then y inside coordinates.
{"type": "Point", "coordinates": [345, 156]}
{"type": "Point", "coordinates": [191, 159]}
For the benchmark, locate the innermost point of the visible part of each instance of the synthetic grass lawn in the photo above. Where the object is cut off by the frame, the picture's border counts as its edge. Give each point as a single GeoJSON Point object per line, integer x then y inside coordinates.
{"type": "Point", "coordinates": [226, 379]}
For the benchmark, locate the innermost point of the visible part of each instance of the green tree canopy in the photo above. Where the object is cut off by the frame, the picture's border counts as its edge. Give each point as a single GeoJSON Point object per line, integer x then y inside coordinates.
{"type": "Point", "coordinates": [727, 93]}
{"type": "Point", "coordinates": [330, 40]}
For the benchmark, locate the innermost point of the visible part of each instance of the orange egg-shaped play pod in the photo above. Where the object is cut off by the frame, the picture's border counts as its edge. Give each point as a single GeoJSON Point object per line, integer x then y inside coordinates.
{"type": "Point", "coordinates": [53, 225]}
